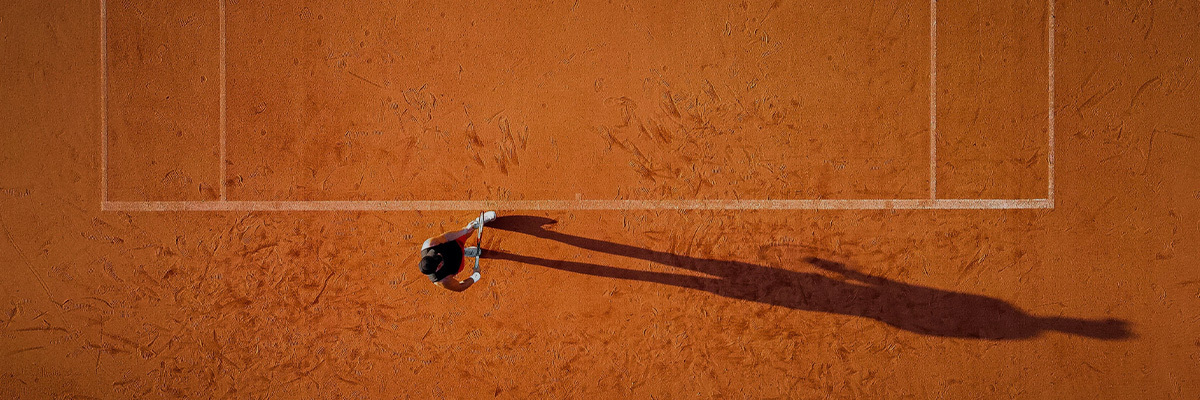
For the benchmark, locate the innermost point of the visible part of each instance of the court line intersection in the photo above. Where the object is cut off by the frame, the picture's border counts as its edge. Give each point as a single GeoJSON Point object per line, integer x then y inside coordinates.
{"type": "Point", "coordinates": [932, 203]}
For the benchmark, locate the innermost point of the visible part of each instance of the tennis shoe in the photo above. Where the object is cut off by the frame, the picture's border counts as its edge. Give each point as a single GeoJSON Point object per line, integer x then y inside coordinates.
{"type": "Point", "coordinates": [483, 220]}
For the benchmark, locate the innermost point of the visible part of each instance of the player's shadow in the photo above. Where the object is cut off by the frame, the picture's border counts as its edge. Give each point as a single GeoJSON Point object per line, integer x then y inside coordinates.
{"type": "Point", "coordinates": [914, 308]}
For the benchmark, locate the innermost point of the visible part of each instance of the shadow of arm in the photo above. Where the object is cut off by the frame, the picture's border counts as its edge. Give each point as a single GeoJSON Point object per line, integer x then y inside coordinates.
{"type": "Point", "coordinates": [687, 281]}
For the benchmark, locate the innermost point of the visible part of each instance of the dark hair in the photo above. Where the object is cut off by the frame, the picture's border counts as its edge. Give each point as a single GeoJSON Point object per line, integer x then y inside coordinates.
{"type": "Point", "coordinates": [429, 264]}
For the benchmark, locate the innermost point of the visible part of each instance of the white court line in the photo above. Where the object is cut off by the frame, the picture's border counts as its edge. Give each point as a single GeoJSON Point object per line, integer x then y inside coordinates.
{"type": "Point", "coordinates": [103, 102]}
{"type": "Point", "coordinates": [932, 99]}
{"type": "Point", "coordinates": [843, 204]}
{"type": "Point", "coordinates": [1050, 174]}
{"type": "Point", "coordinates": [560, 205]}
{"type": "Point", "coordinates": [222, 158]}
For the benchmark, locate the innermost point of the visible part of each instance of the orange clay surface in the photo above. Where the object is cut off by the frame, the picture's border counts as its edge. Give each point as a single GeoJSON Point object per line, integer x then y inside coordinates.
{"type": "Point", "coordinates": [1098, 297]}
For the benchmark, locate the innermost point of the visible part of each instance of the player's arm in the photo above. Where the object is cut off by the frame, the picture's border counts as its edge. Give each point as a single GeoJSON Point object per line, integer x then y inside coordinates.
{"type": "Point", "coordinates": [446, 237]}
{"type": "Point", "coordinates": [456, 286]}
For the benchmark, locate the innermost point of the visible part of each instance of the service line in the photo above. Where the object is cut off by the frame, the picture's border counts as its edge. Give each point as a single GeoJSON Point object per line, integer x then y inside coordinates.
{"type": "Point", "coordinates": [1050, 39]}
{"type": "Point", "coordinates": [103, 102]}
{"type": "Point", "coordinates": [222, 128]}
{"type": "Point", "coordinates": [932, 99]}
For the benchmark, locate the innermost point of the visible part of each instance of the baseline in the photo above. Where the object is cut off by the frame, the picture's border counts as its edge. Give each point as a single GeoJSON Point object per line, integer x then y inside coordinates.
{"type": "Point", "coordinates": [565, 205]}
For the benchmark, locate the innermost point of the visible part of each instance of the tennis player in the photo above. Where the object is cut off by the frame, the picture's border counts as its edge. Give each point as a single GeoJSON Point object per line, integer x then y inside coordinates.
{"type": "Point", "coordinates": [442, 256]}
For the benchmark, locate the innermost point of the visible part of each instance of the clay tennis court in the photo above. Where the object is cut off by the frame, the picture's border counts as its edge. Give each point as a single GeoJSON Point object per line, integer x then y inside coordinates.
{"type": "Point", "coordinates": [757, 199]}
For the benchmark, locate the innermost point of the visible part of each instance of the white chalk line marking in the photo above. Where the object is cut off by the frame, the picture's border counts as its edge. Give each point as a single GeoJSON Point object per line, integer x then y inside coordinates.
{"type": "Point", "coordinates": [849, 204]}
{"type": "Point", "coordinates": [932, 99]}
{"type": "Point", "coordinates": [562, 205]}
{"type": "Point", "coordinates": [222, 158]}
{"type": "Point", "coordinates": [1050, 173]}
{"type": "Point", "coordinates": [103, 102]}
